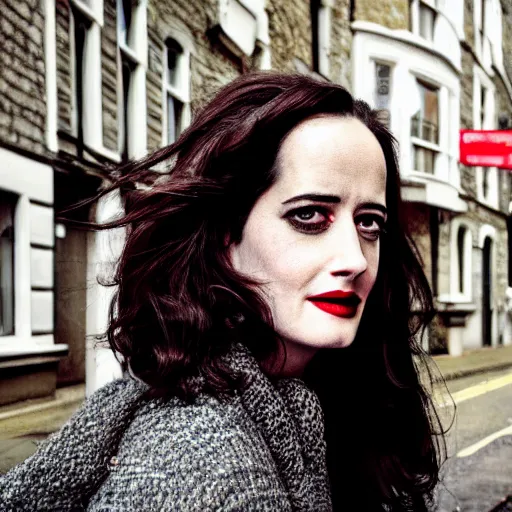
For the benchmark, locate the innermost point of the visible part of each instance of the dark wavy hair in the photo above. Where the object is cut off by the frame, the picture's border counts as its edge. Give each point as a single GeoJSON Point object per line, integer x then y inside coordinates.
{"type": "Point", "coordinates": [179, 303]}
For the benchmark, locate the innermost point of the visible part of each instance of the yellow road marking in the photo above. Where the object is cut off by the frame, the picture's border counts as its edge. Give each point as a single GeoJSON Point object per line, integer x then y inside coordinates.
{"type": "Point", "coordinates": [470, 450]}
{"type": "Point", "coordinates": [477, 390]}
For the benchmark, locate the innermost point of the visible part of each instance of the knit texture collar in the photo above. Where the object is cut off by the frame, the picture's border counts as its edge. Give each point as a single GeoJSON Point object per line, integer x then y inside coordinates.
{"type": "Point", "coordinates": [290, 419]}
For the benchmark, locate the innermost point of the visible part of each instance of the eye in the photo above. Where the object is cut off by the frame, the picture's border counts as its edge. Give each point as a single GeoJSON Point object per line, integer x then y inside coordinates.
{"type": "Point", "coordinates": [309, 219]}
{"type": "Point", "coordinates": [371, 226]}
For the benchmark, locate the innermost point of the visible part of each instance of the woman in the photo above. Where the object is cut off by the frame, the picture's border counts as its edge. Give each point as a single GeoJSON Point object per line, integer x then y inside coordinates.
{"type": "Point", "coordinates": [264, 310]}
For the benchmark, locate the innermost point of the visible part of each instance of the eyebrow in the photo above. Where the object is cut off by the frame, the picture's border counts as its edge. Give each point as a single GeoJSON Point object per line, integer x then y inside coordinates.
{"type": "Point", "coordinates": [321, 198]}
{"type": "Point", "coordinates": [326, 198]}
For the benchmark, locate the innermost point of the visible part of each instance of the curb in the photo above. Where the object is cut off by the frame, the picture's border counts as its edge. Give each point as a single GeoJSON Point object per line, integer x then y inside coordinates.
{"type": "Point", "coordinates": [458, 374]}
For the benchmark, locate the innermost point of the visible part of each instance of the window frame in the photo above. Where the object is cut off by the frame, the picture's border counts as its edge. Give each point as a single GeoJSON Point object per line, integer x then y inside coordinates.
{"type": "Point", "coordinates": [132, 52]}
{"type": "Point", "coordinates": [464, 295]}
{"type": "Point", "coordinates": [383, 102]}
{"type": "Point", "coordinates": [86, 124]}
{"type": "Point", "coordinates": [12, 205]}
{"type": "Point", "coordinates": [415, 9]}
{"type": "Point", "coordinates": [180, 90]}
{"type": "Point", "coordinates": [419, 142]}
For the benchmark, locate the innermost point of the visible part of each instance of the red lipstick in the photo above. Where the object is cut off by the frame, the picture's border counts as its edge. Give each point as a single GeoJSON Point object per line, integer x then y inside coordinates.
{"type": "Point", "coordinates": [337, 303]}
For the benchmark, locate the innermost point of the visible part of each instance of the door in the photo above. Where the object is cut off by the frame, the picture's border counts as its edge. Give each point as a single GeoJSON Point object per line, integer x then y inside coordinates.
{"type": "Point", "coordinates": [487, 293]}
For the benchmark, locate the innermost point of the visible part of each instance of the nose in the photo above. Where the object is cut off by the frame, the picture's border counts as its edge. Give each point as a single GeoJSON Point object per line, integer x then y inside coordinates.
{"type": "Point", "coordinates": [348, 259]}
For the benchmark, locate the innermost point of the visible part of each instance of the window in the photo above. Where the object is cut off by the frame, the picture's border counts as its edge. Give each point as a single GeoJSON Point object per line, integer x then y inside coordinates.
{"type": "Point", "coordinates": [174, 65]}
{"type": "Point", "coordinates": [320, 36]}
{"type": "Point", "coordinates": [460, 257]}
{"type": "Point", "coordinates": [85, 48]}
{"type": "Point", "coordinates": [7, 207]}
{"type": "Point", "coordinates": [481, 21]}
{"type": "Point", "coordinates": [485, 171]}
{"type": "Point", "coordinates": [383, 92]}
{"type": "Point", "coordinates": [124, 22]}
{"type": "Point", "coordinates": [484, 106]}
{"type": "Point", "coordinates": [461, 275]}
{"type": "Point", "coordinates": [176, 89]}
{"type": "Point", "coordinates": [81, 27]}
{"type": "Point", "coordinates": [422, 18]}
{"type": "Point", "coordinates": [132, 44]}
{"type": "Point", "coordinates": [315, 48]}
{"type": "Point", "coordinates": [425, 129]}
{"type": "Point", "coordinates": [427, 17]}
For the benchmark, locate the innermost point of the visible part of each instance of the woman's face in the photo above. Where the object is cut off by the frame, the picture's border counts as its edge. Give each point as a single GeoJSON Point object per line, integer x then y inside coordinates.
{"type": "Point", "coordinates": [312, 239]}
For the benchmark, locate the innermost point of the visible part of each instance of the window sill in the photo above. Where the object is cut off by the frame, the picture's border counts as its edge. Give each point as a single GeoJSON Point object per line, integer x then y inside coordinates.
{"type": "Point", "coordinates": [130, 53]}
{"type": "Point", "coordinates": [420, 187]}
{"type": "Point", "coordinates": [13, 347]}
{"type": "Point", "coordinates": [425, 144]}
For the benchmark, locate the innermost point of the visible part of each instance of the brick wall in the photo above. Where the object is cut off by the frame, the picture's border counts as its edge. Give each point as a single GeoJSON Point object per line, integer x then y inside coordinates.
{"type": "Point", "coordinates": [22, 81]}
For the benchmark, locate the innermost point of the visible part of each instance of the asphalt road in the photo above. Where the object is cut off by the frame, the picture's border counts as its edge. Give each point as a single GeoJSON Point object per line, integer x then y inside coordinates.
{"type": "Point", "coordinates": [476, 482]}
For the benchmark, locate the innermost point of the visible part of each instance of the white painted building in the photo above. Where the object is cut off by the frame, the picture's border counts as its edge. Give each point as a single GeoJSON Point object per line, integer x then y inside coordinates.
{"type": "Point", "coordinates": [416, 77]}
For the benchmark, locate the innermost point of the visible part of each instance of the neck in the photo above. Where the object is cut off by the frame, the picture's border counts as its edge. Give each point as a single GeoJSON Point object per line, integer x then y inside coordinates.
{"type": "Point", "coordinates": [295, 358]}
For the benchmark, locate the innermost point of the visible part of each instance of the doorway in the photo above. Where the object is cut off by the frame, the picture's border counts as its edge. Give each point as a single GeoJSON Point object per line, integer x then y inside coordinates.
{"type": "Point", "coordinates": [487, 292]}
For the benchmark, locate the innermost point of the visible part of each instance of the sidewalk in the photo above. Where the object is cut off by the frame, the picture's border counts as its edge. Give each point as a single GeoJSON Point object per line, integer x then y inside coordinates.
{"type": "Point", "coordinates": [22, 428]}
{"type": "Point", "coordinates": [476, 361]}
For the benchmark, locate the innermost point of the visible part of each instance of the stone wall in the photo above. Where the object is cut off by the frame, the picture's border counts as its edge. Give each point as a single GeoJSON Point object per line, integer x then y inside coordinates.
{"type": "Point", "coordinates": [290, 33]}
{"type": "Point", "coordinates": [507, 36]}
{"type": "Point", "coordinates": [22, 80]}
{"type": "Point", "coordinates": [393, 14]}
{"type": "Point", "coordinates": [467, 174]}
{"type": "Point", "coordinates": [341, 44]}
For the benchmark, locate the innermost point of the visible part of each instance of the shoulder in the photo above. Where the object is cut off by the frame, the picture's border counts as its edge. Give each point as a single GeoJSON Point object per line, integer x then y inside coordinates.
{"type": "Point", "coordinates": [204, 456]}
{"type": "Point", "coordinates": [69, 462]}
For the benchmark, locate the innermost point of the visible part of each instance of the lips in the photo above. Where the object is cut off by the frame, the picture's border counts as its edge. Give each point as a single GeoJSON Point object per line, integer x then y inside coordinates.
{"type": "Point", "coordinates": [338, 303]}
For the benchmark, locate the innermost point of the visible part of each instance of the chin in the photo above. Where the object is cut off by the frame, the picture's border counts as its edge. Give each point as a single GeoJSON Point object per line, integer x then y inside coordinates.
{"type": "Point", "coordinates": [329, 341]}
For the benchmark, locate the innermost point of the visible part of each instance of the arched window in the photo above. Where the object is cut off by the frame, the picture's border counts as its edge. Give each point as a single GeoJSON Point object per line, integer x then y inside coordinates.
{"type": "Point", "coordinates": [460, 256]}
{"type": "Point", "coordinates": [176, 89]}
{"type": "Point", "coordinates": [461, 248]}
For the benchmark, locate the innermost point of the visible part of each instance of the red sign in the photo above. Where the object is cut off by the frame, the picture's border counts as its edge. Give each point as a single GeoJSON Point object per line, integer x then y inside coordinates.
{"type": "Point", "coordinates": [486, 148]}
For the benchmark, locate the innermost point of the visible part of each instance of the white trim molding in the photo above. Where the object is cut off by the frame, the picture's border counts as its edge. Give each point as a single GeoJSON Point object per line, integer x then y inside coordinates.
{"type": "Point", "coordinates": [466, 295]}
{"type": "Point", "coordinates": [486, 230]}
{"type": "Point", "coordinates": [92, 109]}
{"type": "Point", "coordinates": [132, 44]}
{"type": "Point", "coordinates": [180, 88]}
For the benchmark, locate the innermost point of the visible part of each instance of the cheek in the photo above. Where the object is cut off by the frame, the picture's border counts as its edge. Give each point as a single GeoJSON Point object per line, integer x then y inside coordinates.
{"type": "Point", "coordinates": [373, 259]}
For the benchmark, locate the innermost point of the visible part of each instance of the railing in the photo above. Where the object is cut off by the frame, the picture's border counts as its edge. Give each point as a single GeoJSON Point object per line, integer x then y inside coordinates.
{"type": "Point", "coordinates": [424, 129]}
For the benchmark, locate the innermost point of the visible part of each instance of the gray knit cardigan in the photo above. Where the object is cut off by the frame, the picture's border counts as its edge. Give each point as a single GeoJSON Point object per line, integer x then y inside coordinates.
{"type": "Point", "coordinates": [262, 449]}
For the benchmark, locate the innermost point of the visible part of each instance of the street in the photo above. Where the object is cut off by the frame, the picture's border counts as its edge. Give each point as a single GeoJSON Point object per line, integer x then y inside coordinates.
{"type": "Point", "coordinates": [478, 473]}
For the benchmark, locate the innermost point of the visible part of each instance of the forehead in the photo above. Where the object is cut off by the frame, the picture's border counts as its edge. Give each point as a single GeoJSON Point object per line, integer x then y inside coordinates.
{"type": "Point", "coordinates": [332, 154]}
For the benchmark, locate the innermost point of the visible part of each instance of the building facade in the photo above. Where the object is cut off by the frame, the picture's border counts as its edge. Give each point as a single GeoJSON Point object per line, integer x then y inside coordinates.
{"type": "Point", "coordinates": [437, 67]}
{"type": "Point", "coordinates": [85, 84]}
